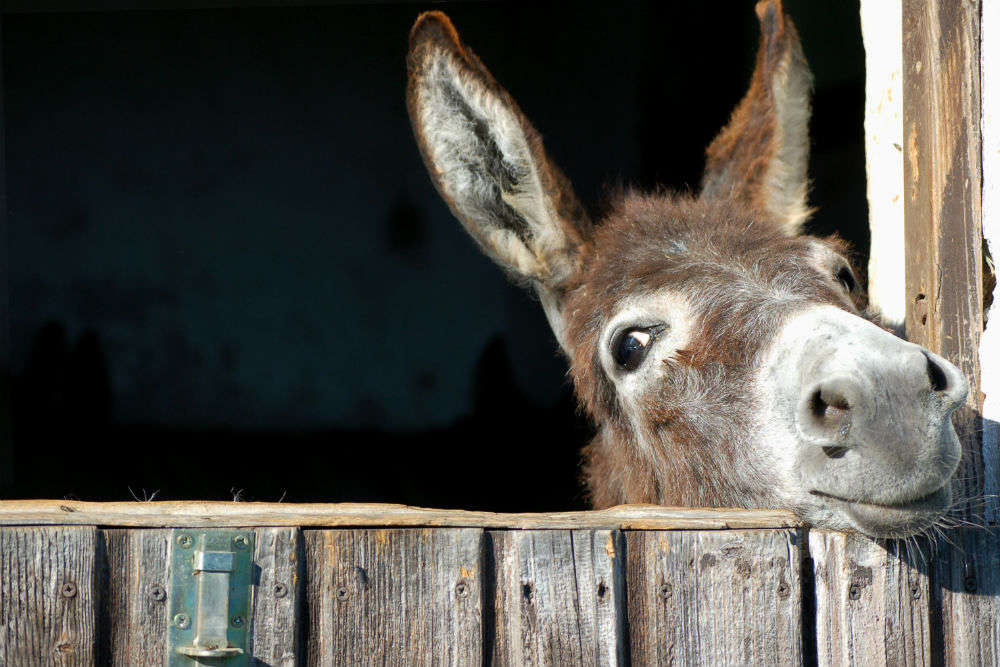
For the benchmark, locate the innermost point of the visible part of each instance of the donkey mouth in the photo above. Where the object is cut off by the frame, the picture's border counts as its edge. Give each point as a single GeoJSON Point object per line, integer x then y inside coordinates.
{"type": "Point", "coordinates": [896, 519]}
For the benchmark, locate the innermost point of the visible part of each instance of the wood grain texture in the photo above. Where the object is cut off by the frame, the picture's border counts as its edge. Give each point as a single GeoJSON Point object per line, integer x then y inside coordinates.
{"type": "Point", "coordinates": [138, 582]}
{"type": "Point", "coordinates": [942, 164]}
{"type": "Point", "coordinates": [394, 597]}
{"type": "Point", "coordinates": [989, 343]}
{"type": "Point", "coordinates": [871, 602]}
{"type": "Point", "coordinates": [276, 618]}
{"type": "Point", "coordinates": [966, 589]}
{"type": "Point", "coordinates": [944, 227]}
{"type": "Point", "coordinates": [713, 598]}
{"type": "Point", "coordinates": [48, 596]}
{"type": "Point", "coordinates": [190, 514]}
{"type": "Point", "coordinates": [557, 598]}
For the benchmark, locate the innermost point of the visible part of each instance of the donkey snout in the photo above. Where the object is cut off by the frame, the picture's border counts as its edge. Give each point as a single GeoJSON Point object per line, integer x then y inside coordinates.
{"type": "Point", "coordinates": [870, 412]}
{"type": "Point", "coordinates": [891, 404]}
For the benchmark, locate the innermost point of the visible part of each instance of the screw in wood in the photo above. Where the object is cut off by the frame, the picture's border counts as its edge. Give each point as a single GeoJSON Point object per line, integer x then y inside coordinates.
{"type": "Point", "coordinates": [280, 590]}
{"type": "Point", "coordinates": [157, 593]}
{"type": "Point", "coordinates": [184, 540]}
{"type": "Point", "coordinates": [462, 589]}
{"type": "Point", "coordinates": [181, 621]}
{"type": "Point", "coordinates": [343, 594]}
{"type": "Point", "coordinates": [241, 541]}
{"type": "Point", "coordinates": [237, 621]}
{"type": "Point", "coordinates": [915, 592]}
{"type": "Point", "coordinates": [68, 590]}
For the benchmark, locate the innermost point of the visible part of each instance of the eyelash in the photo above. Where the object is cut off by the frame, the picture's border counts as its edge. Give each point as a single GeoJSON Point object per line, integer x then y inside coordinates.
{"type": "Point", "coordinates": [845, 277]}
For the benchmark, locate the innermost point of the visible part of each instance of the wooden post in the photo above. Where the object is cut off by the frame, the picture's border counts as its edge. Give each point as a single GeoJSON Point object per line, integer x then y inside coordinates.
{"type": "Point", "coordinates": [943, 201]}
{"type": "Point", "coordinates": [989, 344]}
{"type": "Point", "coordinates": [943, 170]}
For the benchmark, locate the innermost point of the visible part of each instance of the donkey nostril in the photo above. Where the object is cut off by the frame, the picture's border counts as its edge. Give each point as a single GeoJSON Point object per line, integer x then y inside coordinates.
{"type": "Point", "coordinates": [825, 414]}
{"type": "Point", "coordinates": [817, 404]}
{"type": "Point", "coordinates": [828, 405]}
{"type": "Point", "coordinates": [835, 451]}
{"type": "Point", "coordinates": [939, 381]}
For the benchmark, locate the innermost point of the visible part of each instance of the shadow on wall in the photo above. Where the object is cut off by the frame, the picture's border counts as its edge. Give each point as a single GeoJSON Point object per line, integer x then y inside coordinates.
{"type": "Point", "coordinates": [68, 446]}
{"type": "Point", "coordinates": [61, 408]}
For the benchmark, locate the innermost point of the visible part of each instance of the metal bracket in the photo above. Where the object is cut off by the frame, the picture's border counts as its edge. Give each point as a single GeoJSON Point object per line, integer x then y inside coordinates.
{"type": "Point", "coordinates": [210, 597]}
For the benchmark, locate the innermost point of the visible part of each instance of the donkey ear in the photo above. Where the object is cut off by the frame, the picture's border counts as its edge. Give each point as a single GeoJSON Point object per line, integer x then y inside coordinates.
{"type": "Point", "coordinates": [760, 158]}
{"type": "Point", "coordinates": [487, 161]}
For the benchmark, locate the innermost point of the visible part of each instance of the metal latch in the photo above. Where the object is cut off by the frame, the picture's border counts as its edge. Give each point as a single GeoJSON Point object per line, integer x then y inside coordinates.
{"type": "Point", "coordinates": [210, 597]}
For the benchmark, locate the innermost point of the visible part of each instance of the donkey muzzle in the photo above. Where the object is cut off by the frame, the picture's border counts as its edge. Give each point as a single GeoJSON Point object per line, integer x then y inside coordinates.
{"type": "Point", "coordinates": [872, 417]}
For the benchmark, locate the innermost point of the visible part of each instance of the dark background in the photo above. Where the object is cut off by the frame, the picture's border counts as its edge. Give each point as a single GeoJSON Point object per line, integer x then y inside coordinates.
{"type": "Point", "coordinates": [230, 276]}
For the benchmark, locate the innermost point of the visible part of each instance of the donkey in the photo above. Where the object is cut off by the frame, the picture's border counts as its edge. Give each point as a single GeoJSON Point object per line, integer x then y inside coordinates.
{"type": "Point", "coordinates": [725, 358]}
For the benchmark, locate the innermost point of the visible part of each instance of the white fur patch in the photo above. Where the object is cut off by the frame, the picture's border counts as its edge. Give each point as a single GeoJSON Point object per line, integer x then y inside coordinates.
{"type": "Point", "coordinates": [666, 307]}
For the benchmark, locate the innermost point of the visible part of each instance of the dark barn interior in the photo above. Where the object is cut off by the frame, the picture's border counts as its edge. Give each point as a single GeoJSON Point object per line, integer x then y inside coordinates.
{"type": "Point", "coordinates": [229, 274]}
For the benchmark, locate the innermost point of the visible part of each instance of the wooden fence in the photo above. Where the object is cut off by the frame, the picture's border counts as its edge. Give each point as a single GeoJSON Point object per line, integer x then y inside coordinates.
{"type": "Point", "coordinates": [94, 584]}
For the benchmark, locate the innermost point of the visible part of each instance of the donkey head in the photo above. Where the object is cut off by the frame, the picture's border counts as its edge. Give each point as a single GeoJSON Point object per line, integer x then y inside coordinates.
{"type": "Point", "coordinates": [725, 358]}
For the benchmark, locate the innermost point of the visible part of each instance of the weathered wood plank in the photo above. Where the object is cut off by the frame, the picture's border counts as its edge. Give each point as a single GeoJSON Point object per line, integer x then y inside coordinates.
{"type": "Point", "coordinates": [557, 598]}
{"type": "Point", "coordinates": [394, 597]}
{"type": "Point", "coordinates": [138, 580]}
{"type": "Point", "coordinates": [989, 344]}
{"type": "Point", "coordinates": [871, 601]}
{"type": "Point", "coordinates": [48, 596]}
{"type": "Point", "coordinates": [943, 164]}
{"type": "Point", "coordinates": [715, 598]}
{"type": "Point", "coordinates": [276, 604]}
{"type": "Point", "coordinates": [190, 514]}
{"type": "Point", "coordinates": [966, 588]}
{"type": "Point", "coordinates": [943, 216]}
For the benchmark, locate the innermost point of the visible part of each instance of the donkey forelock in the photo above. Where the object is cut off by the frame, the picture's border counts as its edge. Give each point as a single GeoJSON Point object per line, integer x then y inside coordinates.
{"type": "Point", "coordinates": [725, 359]}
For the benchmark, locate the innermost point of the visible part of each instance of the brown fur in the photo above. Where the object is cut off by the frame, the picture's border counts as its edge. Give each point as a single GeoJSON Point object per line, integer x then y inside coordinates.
{"type": "Point", "coordinates": [631, 253]}
{"type": "Point", "coordinates": [738, 160]}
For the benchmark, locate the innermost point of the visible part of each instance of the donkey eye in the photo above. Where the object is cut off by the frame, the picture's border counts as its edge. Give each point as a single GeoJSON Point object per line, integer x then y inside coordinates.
{"type": "Point", "coordinates": [630, 347]}
{"type": "Point", "coordinates": [846, 278]}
